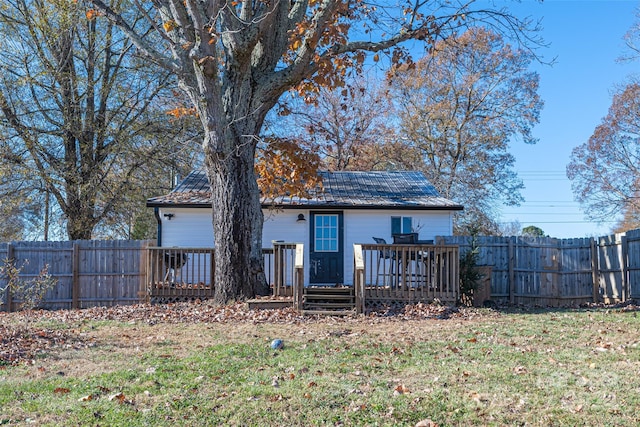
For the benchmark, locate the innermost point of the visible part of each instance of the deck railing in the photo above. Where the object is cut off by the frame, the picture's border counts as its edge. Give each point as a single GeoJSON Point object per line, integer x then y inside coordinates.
{"type": "Point", "coordinates": [408, 273]}
{"type": "Point", "coordinates": [359, 278]}
{"type": "Point", "coordinates": [175, 273]}
{"type": "Point", "coordinates": [285, 267]}
{"type": "Point", "coordinates": [298, 282]}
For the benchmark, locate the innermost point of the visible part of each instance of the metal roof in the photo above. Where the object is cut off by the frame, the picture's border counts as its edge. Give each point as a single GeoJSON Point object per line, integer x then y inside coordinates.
{"type": "Point", "coordinates": [344, 189]}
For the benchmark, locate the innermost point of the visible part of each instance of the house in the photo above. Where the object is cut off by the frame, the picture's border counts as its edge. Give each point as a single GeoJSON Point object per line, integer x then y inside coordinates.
{"type": "Point", "coordinates": [351, 207]}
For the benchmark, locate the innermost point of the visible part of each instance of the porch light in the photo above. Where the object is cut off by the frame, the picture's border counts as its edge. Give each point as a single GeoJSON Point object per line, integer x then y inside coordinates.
{"type": "Point", "coordinates": [301, 218]}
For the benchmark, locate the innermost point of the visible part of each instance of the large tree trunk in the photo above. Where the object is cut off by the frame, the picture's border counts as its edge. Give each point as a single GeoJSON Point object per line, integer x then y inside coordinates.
{"type": "Point", "coordinates": [80, 224]}
{"type": "Point", "coordinates": [237, 225]}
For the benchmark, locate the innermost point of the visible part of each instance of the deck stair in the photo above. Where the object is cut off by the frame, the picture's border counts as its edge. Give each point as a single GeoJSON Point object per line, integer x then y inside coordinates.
{"type": "Point", "coordinates": [330, 301]}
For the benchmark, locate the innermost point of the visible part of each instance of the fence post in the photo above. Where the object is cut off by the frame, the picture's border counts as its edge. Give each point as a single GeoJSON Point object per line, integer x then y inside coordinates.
{"type": "Point", "coordinates": [75, 276]}
{"type": "Point", "coordinates": [143, 291]}
{"type": "Point", "coordinates": [9, 296]}
{"type": "Point", "coordinates": [624, 266]}
{"type": "Point", "coordinates": [512, 275]}
{"type": "Point", "coordinates": [595, 268]}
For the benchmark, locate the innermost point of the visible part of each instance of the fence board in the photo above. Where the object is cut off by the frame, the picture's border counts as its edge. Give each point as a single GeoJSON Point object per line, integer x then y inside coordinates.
{"type": "Point", "coordinates": [89, 273]}
{"type": "Point", "coordinates": [633, 263]}
{"type": "Point", "coordinates": [541, 270]}
{"type": "Point", "coordinates": [611, 267]}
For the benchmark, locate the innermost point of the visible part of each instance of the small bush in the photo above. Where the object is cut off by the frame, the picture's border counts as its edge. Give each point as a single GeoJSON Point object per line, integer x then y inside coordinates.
{"type": "Point", "coordinates": [31, 292]}
{"type": "Point", "coordinates": [470, 275]}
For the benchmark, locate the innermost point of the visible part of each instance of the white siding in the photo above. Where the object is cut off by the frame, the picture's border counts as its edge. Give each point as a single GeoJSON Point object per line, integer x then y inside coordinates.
{"type": "Point", "coordinates": [362, 226]}
{"type": "Point", "coordinates": [193, 228]}
{"type": "Point", "coordinates": [187, 228]}
{"type": "Point", "coordinates": [283, 225]}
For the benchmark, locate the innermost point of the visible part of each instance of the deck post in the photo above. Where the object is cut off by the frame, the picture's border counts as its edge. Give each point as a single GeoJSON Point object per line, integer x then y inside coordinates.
{"type": "Point", "coordinates": [298, 283]}
{"type": "Point", "coordinates": [358, 280]}
{"type": "Point", "coordinates": [278, 260]}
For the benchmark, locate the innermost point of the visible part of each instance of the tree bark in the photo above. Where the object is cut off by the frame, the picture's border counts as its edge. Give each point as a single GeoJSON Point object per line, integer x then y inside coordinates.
{"type": "Point", "coordinates": [237, 225]}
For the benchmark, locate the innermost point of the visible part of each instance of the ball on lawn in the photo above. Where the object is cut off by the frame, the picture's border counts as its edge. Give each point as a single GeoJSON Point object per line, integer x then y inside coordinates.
{"type": "Point", "coordinates": [277, 344]}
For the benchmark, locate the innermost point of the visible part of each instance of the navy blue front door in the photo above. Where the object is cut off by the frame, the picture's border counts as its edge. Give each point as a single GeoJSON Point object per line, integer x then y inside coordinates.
{"type": "Point", "coordinates": [327, 248]}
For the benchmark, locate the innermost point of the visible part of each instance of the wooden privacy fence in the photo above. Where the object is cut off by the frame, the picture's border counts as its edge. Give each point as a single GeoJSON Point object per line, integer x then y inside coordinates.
{"type": "Point", "coordinates": [89, 273]}
{"type": "Point", "coordinates": [559, 272]}
{"type": "Point", "coordinates": [618, 276]}
{"type": "Point", "coordinates": [543, 271]}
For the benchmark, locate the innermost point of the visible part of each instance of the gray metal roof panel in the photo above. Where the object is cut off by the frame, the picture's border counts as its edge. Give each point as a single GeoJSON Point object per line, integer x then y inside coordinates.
{"type": "Point", "coordinates": [402, 189]}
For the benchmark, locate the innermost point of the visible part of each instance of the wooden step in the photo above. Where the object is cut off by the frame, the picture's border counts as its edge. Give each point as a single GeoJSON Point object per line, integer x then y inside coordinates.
{"type": "Point", "coordinates": [329, 304]}
{"type": "Point", "coordinates": [328, 312]}
{"type": "Point", "coordinates": [329, 301]}
{"type": "Point", "coordinates": [329, 297]}
{"type": "Point", "coordinates": [328, 290]}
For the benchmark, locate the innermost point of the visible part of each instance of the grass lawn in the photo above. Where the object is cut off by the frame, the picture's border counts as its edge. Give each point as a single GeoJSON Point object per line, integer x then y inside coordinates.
{"type": "Point", "coordinates": [478, 367]}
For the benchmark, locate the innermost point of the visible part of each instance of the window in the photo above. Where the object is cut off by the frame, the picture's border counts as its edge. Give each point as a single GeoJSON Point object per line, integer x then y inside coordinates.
{"type": "Point", "coordinates": [326, 233]}
{"type": "Point", "coordinates": [401, 225]}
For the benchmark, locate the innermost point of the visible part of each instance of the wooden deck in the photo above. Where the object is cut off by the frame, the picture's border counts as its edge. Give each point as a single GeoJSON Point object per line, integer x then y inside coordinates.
{"type": "Point", "coordinates": [182, 273]}
{"type": "Point", "coordinates": [408, 273]}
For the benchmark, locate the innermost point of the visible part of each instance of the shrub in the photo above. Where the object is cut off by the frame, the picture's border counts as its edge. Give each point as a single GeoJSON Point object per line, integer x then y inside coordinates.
{"type": "Point", "coordinates": [31, 292]}
{"type": "Point", "coordinates": [470, 275]}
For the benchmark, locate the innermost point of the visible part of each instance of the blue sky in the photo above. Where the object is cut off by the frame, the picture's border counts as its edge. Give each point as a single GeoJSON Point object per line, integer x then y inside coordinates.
{"type": "Point", "coordinates": [586, 37]}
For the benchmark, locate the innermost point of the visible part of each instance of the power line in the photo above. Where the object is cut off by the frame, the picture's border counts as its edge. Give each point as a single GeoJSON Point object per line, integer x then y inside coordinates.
{"type": "Point", "coordinates": [556, 222]}
{"type": "Point", "coordinates": [577, 215]}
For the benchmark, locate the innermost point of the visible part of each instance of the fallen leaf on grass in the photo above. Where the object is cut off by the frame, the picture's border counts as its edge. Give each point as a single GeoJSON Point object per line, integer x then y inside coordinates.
{"type": "Point", "coordinates": [453, 349]}
{"type": "Point", "coordinates": [401, 389]}
{"type": "Point", "coordinates": [86, 398]}
{"type": "Point", "coordinates": [426, 423]}
{"type": "Point", "coordinates": [519, 370]}
{"type": "Point", "coordinates": [61, 390]}
{"type": "Point", "coordinates": [118, 397]}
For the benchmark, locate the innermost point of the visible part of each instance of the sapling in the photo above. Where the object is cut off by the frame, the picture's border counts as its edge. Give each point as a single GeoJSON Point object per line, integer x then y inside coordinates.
{"type": "Point", "coordinates": [30, 292]}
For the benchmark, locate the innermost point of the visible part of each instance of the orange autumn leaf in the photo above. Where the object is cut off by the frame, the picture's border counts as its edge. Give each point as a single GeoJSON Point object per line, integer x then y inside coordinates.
{"type": "Point", "coordinates": [179, 112]}
{"type": "Point", "coordinates": [169, 25]}
{"type": "Point", "coordinates": [286, 168]}
{"type": "Point", "coordinates": [401, 389]}
{"type": "Point", "coordinates": [92, 14]}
